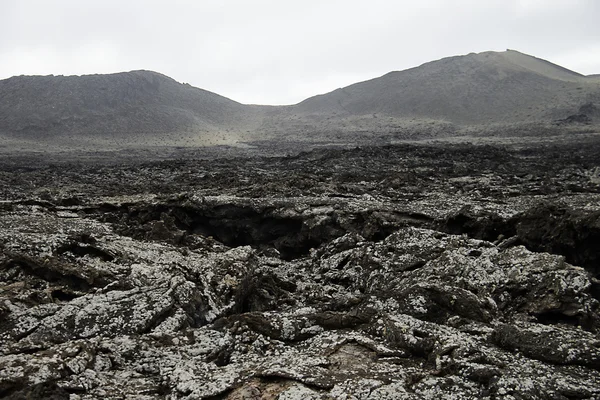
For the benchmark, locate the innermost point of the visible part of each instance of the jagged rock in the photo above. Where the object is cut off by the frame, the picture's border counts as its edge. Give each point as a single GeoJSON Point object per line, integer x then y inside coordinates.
{"type": "Point", "coordinates": [557, 345]}
{"type": "Point", "coordinates": [557, 228]}
{"type": "Point", "coordinates": [415, 294]}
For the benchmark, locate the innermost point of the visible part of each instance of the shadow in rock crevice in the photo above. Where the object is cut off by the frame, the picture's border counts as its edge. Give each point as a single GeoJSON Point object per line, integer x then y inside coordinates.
{"type": "Point", "coordinates": [241, 224]}
{"type": "Point", "coordinates": [546, 227]}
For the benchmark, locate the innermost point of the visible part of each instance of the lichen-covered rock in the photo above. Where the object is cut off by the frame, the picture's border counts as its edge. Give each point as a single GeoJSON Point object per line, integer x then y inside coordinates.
{"type": "Point", "coordinates": [558, 345]}
{"type": "Point", "coordinates": [402, 293]}
{"type": "Point", "coordinates": [420, 314]}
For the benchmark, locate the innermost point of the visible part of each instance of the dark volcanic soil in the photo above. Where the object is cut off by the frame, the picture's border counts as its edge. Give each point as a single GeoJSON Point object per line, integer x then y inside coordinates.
{"type": "Point", "coordinates": [430, 271]}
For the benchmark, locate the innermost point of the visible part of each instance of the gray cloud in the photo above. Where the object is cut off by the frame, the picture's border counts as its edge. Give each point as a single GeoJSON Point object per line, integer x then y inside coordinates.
{"type": "Point", "coordinates": [276, 52]}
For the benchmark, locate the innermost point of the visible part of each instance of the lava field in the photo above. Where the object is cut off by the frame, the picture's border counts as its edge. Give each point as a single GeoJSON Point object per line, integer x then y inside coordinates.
{"type": "Point", "coordinates": [408, 271]}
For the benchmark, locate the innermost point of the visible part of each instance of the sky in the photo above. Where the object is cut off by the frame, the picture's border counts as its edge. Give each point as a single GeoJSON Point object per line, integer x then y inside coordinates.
{"type": "Point", "coordinates": [279, 51]}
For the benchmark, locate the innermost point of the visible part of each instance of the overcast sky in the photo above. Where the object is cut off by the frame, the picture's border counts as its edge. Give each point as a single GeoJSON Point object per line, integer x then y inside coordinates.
{"type": "Point", "coordinates": [280, 52]}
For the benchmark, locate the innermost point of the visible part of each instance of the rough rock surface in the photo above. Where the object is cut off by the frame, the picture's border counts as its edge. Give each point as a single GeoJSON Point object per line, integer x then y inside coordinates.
{"type": "Point", "coordinates": [366, 274]}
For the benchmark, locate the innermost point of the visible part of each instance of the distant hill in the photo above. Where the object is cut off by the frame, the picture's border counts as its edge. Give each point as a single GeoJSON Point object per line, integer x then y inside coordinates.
{"type": "Point", "coordinates": [143, 107]}
{"type": "Point", "coordinates": [479, 88]}
{"type": "Point", "coordinates": [129, 106]}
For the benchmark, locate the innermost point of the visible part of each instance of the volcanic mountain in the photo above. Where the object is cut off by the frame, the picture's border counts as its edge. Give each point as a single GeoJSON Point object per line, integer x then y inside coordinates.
{"type": "Point", "coordinates": [123, 107]}
{"type": "Point", "coordinates": [146, 107]}
{"type": "Point", "coordinates": [476, 88]}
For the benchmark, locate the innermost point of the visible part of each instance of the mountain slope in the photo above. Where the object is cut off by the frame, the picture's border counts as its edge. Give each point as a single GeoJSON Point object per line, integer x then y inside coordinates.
{"type": "Point", "coordinates": [137, 105]}
{"type": "Point", "coordinates": [437, 98]}
{"type": "Point", "coordinates": [477, 88]}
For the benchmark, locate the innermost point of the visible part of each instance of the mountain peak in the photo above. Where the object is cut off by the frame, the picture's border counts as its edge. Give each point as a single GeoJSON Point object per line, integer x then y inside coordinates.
{"type": "Point", "coordinates": [538, 65]}
{"type": "Point", "coordinates": [476, 88]}
{"type": "Point", "coordinates": [509, 61]}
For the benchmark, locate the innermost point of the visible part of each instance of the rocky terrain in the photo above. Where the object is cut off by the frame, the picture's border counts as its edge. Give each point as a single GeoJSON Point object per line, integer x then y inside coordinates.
{"type": "Point", "coordinates": [487, 94]}
{"type": "Point", "coordinates": [438, 271]}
